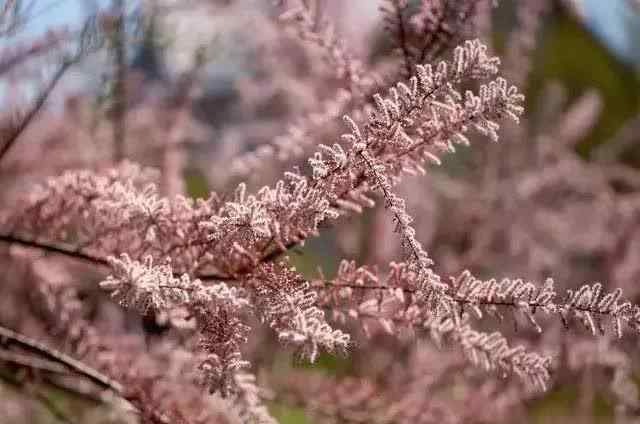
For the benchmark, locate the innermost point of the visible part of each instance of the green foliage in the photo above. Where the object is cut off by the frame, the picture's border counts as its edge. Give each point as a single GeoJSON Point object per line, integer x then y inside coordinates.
{"type": "Point", "coordinates": [569, 53]}
{"type": "Point", "coordinates": [560, 404]}
{"type": "Point", "coordinates": [196, 184]}
{"type": "Point", "coordinates": [329, 364]}
{"type": "Point", "coordinates": [288, 414]}
{"type": "Point", "coordinates": [317, 253]}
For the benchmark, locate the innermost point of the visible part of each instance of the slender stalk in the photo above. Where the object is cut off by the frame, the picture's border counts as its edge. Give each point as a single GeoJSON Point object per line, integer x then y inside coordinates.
{"type": "Point", "coordinates": [119, 111]}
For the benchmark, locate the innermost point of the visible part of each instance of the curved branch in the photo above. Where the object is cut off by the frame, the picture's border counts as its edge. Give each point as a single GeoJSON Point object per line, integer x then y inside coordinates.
{"type": "Point", "coordinates": [14, 132]}
{"type": "Point", "coordinates": [10, 337]}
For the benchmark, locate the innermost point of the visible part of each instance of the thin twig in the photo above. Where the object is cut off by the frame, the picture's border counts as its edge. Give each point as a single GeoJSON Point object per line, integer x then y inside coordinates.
{"type": "Point", "coordinates": [17, 130]}
{"type": "Point", "coordinates": [36, 48]}
{"type": "Point", "coordinates": [61, 249]}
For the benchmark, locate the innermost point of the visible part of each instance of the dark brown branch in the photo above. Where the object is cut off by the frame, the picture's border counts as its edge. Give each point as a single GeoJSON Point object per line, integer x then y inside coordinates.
{"type": "Point", "coordinates": [535, 306]}
{"type": "Point", "coordinates": [89, 41]}
{"type": "Point", "coordinates": [32, 362]}
{"type": "Point", "coordinates": [119, 110]}
{"type": "Point", "coordinates": [267, 258]}
{"type": "Point", "coordinates": [60, 249]}
{"type": "Point", "coordinates": [14, 131]}
{"type": "Point", "coordinates": [450, 23]}
{"type": "Point", "coordinates": [9, 337]}
{"type": "Point", "coordinates": [397, 26]}
{"type": "Point", "coordinates": [77, 254]}
{"type": "Point", "coordinates": [35, 49]}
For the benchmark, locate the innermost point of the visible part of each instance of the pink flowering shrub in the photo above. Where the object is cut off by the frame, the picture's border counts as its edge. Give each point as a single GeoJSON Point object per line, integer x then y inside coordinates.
{"type": "Point", "coordinates": [430, 335]}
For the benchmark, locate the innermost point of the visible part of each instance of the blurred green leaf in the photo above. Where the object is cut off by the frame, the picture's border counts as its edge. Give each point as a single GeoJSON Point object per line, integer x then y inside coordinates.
{"type": "Point", "coordinates": [569, 53]}
{"type": "Point", "coordinates": [288, 414]}
{"type": "Point", "coordinates": [196, 184]}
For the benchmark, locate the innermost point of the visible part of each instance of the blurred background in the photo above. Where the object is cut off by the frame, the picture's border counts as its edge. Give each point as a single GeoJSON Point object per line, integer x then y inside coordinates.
{"type": "Point", "coordinates": [198, 88]}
